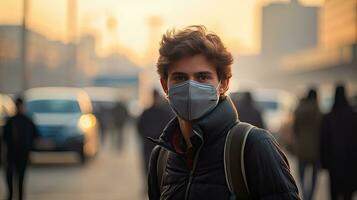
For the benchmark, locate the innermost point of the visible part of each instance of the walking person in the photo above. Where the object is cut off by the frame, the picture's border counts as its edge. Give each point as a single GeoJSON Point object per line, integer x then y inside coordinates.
{"type": "Point", "coordinates": [339, 146]}
{"type": "Point", "coordinates": [151, 123]}
{"type": "Point", "coordinates": [205, 152]}
{"type": "Point", "coordinates": [354, 103]}
{"type": "Point", "coordinates": [307, 123]}
{"type": "Point", "coordinates": [120, 114]}
{"type": "Point", "coordinates": [19, 133]}
{"type": "Point", "coordinates": [248, 111]}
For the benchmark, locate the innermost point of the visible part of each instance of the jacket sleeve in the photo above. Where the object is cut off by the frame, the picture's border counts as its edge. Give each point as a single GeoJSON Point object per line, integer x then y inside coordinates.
{"type": "Point", "coordinates": [153, 186]}
{"type": "Point", "coordinates": [267, 169]}
{"type": "Point", "coordinates": [35, 133]}
{"type": "Point", "coordinates": [7, 132]}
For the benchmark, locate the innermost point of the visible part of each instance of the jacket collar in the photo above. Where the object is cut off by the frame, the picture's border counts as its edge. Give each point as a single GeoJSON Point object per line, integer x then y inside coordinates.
{"type": "Point", "coordinates": [209, 128]}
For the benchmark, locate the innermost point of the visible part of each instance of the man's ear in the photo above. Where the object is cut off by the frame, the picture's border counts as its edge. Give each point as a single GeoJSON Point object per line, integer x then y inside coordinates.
{"type": "Point", "coordinates": [164, 85]}
{"type": "Point", "coordinates": [224, 86]}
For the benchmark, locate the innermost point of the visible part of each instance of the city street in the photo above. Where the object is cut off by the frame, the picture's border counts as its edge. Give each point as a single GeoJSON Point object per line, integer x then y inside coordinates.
{"type": "Point", "coordinates": [73, 73]}
{"type": "Point", "coordinates": [112, 175]}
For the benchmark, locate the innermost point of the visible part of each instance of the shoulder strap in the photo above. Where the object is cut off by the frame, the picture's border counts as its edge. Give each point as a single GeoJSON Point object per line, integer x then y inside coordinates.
{"type": "Point", "coordinates": [161, 167]}
{"type": "Point", "coordinates": [234, 160]}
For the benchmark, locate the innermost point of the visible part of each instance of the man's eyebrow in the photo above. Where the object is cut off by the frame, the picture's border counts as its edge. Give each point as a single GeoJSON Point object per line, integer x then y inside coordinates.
{"type": "Point", "coordinates": [204, 73]}
{"type": "Point", "coordinates": [178, 73]}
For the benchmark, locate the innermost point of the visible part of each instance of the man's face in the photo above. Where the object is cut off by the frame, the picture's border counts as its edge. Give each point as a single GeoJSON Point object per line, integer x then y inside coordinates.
{"type": "Point", "coordinates": [21, 108]}
{"type": "Point", "coordinates": [196, 68]}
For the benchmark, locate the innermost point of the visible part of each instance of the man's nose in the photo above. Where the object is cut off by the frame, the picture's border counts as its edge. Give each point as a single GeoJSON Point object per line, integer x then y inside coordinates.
{"type": "Point", "coordinates": [193, 78]}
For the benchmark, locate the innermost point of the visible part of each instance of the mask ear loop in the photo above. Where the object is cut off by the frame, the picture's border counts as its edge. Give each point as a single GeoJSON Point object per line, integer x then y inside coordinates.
{"type": "Point", "coordinates": [217, 88]}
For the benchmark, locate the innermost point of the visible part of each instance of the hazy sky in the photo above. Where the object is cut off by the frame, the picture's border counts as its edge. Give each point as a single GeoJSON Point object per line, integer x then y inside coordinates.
{"type": "Point", "coordinates": [236, 21]}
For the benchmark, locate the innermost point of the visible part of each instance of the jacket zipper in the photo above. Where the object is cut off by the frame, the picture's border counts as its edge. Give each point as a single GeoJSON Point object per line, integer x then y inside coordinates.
{"type": "Point", "coordinates": [193, 168]}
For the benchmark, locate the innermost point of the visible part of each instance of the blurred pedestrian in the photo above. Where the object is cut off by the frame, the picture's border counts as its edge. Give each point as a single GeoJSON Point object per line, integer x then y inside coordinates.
{"type": "Point", "coordinates": [19, 133]}
{"type": "Point", "coordinates": [307, 122]}
{"type": "Point", "coordinates": [120, 114]}
{"type": "Point", "coordinates": [151, 123]}
{"type": "Point", "coordinates": [248, 111]}
{"type": "Point", "coordinates": [354, 103]}
{"type": "Point", "coordinates": [339, 146]}
{"type": "Point", "coordinates": [98, 111]}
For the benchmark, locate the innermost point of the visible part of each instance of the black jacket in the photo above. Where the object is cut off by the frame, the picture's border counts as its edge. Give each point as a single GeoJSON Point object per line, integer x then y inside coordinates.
{"type": "Point", "coordinates": [19, 133]}
{"type": "Point", "coordinates": [338, 148]}
{"type": "Point", "coordinates": [267, 168]}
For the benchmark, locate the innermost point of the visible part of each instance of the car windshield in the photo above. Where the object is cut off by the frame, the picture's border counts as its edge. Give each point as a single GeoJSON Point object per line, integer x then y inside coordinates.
{"type": "Point", "coordinates": [268, 105]}
{"type": "Point", "coordinates": [102, 105]}
{"type": "Point", "coordinates": [53, 106]}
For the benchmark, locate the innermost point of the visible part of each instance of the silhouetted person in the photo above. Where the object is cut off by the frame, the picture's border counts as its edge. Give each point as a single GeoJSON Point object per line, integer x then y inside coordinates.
{"type": "Point", "coordinates": [152, 122]}
{"type": "Point", "coordinates": [248, 112]}
{"type": "Point", "coordinates": [120, 114]}
{"type": "Point", "coordinates": [19, 133]}
{"type": "Point", "coordinates": [339, 146]}
{"type": "Point", "coordinates": [307, 139]}
{"type": "Point", "coordinates": [98, 111]}
{"type": "Point", "coordinates": [354, 103]}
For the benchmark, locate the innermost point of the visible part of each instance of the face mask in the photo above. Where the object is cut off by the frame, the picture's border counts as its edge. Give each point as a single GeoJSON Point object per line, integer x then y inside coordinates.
{"type": "Point", "coordinates": [191, 100]}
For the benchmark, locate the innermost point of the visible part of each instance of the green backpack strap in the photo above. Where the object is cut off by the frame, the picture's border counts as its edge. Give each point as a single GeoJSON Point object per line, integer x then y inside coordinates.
{"type": "Point", "coordinates": [234, 160]}
{"type": "Point", "coordinates": [161, 167]}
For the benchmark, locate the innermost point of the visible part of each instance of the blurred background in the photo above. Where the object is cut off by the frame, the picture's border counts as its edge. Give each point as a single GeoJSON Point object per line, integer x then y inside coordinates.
{"type": "Point", "coordinates": [87, 70]}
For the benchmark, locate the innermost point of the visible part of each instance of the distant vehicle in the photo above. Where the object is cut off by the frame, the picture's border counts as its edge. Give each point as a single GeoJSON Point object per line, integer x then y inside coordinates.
{"type": "Point", "coordinates": [103, 100]}
{"type": "Point", "coordinates": [277, 106]}
{"type": "Point", "coordinates": [7, 109]}
{"type": "Point", "coordinates": [65, 120]}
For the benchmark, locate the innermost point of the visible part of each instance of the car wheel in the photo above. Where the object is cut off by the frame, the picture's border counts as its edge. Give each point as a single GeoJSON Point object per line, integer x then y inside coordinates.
{"type": "Point", "coordinates": [82, 155]}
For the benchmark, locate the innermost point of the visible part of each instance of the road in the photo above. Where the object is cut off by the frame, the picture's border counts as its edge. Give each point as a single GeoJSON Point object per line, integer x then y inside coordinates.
{"type": "Point", "coordinates": [112, 175]}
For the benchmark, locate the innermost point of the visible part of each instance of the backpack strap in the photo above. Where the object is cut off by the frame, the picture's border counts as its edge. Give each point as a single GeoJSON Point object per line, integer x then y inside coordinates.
{"type": "Point", "coordinates": [234, 160]}
{"type": "Point", "coordinates": [161, 167]}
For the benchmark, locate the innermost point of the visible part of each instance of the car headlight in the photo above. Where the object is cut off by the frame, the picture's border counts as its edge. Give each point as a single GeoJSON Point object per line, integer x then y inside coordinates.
{"type": "Point", "coordinates": [86, 122]}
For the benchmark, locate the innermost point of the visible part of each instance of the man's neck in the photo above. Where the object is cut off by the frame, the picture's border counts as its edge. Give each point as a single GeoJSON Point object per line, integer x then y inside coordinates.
{"type": "Point", "coordinates": [186, 130]}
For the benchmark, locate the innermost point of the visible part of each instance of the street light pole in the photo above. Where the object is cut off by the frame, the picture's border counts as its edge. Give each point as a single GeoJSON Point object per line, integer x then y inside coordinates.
{"type": "Point", "coordinates": [23, 58]}
{"type": "Point", "coordinates": [72, 41]}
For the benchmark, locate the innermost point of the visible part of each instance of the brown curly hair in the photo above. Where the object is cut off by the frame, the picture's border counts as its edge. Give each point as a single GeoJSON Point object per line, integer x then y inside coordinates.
{"type": "Point", "coordinates": [191, 41]}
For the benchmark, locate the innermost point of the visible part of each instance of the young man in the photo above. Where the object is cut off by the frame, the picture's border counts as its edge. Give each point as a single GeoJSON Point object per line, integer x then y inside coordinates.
{"type": "Point", "coordinates": [195, 68]}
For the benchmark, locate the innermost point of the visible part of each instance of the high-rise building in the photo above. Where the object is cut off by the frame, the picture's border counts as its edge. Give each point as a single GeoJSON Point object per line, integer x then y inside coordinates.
{"type": "Point", "coordinates": [44, 59]}
{"type": "Point", "coordinates": [287, 28]}
{"type": "Point", "coordinates": [338, 23]}
{"type": "Point", "coordinates": [335, 56]}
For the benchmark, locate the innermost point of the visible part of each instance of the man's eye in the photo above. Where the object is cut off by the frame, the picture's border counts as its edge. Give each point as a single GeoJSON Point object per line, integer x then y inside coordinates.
{"type": "Point", "coordinates": [179, 78]}
{"type": "Point", "coordinates": [203, 77]}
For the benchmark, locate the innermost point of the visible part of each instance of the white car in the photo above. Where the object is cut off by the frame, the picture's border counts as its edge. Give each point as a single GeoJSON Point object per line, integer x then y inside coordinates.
{"type": "Point", "coordinates": [64, 119]}
{"type": "Point", "coordinates": [277, 107]}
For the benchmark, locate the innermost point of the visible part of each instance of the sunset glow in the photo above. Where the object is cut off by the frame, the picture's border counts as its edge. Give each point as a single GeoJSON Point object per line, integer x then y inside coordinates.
{"type": "Point", "coordinates": [124, 25]}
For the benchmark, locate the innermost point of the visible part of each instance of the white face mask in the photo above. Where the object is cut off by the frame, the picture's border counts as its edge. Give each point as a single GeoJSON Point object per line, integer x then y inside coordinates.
{"type": "Point", "coordinates": [191, 100]}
